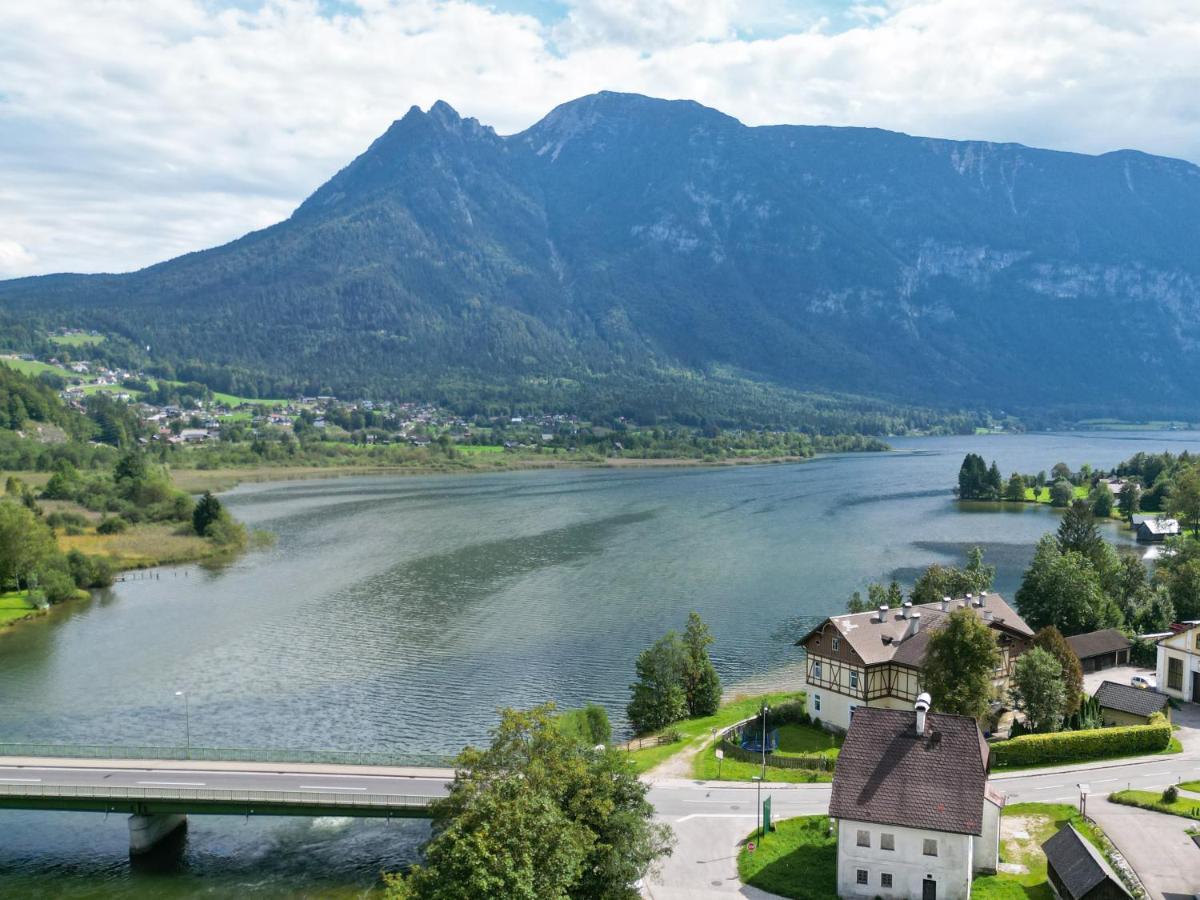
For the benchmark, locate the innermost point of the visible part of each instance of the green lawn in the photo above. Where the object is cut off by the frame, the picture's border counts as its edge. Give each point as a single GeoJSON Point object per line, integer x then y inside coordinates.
{"type": "Point", "coordinates": [1081, 493]}
{"type": "Point", "coordinates": [797, 859]}
{"type": "Point", "coordinates": [692, 730]}
{"type": "Point", "coordinates": [1188, 807]}
{"type": "Point", "coordinates": [1041, 820]}
{"type": "Point", "coordinates": [14, 605]}
{"type": "Point", "coordinates": [77, 340]}
{"type": "Point", "coordinates": [32, 367]}
{"type": "Point", "coordinates": [794, 740]}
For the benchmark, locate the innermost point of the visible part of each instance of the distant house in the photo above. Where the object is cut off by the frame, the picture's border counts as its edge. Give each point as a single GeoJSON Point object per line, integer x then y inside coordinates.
{"type": "Point", "coordinates": [194, 435]}
{"type": "Point", "coordinates": [1123, 704]}
{"type": "Point", "coordinates": [1077, 871]}
{"type": "Point", "coordinates": [915, 814]}
{"type": "Point", "coordinates": [1153, 529]}
{"type": "Point", "coordinates": [875, 658]}
{"type": "Point", "coordinates": [1100, 649]}
{"type": "Point", "coordinates": [1178, 665]}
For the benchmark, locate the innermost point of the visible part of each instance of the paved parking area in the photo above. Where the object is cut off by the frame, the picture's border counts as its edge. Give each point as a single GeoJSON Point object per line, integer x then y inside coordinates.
{"type": "Point", "coordinates": [1121, 675]}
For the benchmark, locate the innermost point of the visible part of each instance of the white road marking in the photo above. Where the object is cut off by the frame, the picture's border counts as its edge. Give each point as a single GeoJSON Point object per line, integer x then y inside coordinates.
{"type": "Point", "coordinates": [23, 780]}
{"type": "Point", "coordinates": [1105, 780]}
{"type": "Point", "coordinates": [325, 787]}
{"type": "Point", "coordinates": [175, 783]}
{"type": "Point", "coordinates": [717, 816]}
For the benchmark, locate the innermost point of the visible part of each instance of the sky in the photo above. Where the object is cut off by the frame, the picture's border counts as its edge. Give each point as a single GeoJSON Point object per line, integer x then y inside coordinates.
{"type": "Point", "coordinates": [132, 131]}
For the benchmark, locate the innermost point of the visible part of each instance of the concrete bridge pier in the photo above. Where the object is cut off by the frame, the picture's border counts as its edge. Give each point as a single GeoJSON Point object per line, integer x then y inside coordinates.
{"type": "Point", "coordinates": [145, 832]}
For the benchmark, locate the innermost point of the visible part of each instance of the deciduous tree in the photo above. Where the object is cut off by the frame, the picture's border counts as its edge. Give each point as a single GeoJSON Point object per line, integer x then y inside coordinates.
{"type": "Point", "coordinates": [658, 695]}
{"type": "Point", "coordinates": [959, 664]}
{"type": "Point", "coordinates": [1051, 640]}
{"type": "Point", "coordinates": [1037, 689]}
{"type": "Point", "coordinates": [1185, 499]}
{"type": "Point", "coordinates": [1064, 590]}
{"type": "Point", "coordinates": [702, 685]}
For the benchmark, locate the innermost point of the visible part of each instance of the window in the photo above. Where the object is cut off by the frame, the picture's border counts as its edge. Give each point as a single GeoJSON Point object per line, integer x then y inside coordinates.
{"type": "Point", "coordinates": [854, 679]}
{"type": "Point", "coordinates": [864, 839]}
{"type": "Point", "coordinates": [931, 846]}
{"type": "Point", "coordinates": [852, 709]}
{"type": "Point", "coordinates": [861, 876]}
{"type": "Point", "coordinates": [885, 879]}
{"type": "Point", "coordinates": [817, 702]}
{"type": "Point", "coordinates": [817, 671]}
{"type": "Point", "coordinates": [837, 643]}
{"type": "Point", "coordinates": [887, 842]}
{"type": "Point", "coordinates": [1198, 640]}
{"type": "Point", "coordinates": [1175, 673]}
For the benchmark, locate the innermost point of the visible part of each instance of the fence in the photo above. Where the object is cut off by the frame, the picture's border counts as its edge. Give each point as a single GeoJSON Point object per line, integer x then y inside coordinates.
{"type": "Point", "coordinates": [774, 761]}
{"type": "Point", "coordinates": [209, 754]}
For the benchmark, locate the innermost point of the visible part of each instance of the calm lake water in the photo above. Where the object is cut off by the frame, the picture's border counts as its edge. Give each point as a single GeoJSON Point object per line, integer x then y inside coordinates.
{"type": "Point", "coordinates": [397, 613]}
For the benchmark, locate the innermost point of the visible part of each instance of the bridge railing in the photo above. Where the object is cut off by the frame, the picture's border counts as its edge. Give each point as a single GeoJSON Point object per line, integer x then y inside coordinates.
{"type": "Point", "coordinates": [211, 754]}
{"type": "Point", "coordinates": [216, 795]}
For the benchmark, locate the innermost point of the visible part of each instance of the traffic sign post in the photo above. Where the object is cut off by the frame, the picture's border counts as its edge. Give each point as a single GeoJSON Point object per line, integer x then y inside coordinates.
{"type": "Point", "coordinates": [720, 759]}
{"type": "Point", "coordinates": [766, 818]}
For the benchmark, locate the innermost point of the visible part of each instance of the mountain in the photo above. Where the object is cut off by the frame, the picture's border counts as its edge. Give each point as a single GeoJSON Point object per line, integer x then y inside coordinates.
{"type": "Point", "coordinates": [659, 257]}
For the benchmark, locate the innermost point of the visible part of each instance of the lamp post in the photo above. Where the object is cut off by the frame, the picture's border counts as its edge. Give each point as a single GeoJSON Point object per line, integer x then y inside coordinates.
{"type": "Point", "coordinates": [187, 721]}
{"type": "Point", "coordinates": [758, 806]}
{"type": "Point", "coordinates": [765, 709]}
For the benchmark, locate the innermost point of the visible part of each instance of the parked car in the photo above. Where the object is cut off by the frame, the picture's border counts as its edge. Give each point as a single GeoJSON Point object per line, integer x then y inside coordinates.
{"type": "Point", "coordinates": [1149, 682]}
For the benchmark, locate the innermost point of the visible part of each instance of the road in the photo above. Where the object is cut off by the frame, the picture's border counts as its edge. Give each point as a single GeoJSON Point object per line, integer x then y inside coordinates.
{"type": "Point", "coordinates": [709, 818]}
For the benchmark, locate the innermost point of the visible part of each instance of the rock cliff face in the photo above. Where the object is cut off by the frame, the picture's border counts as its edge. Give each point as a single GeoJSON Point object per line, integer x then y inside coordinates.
{"type": "Point", "coordinates": [636, 244]}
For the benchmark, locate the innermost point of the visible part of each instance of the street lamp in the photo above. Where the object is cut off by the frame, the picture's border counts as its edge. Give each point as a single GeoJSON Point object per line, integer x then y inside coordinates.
{"type": "Point", "coordinates": [758, 806]}
{"type": "Point", "coordinates": [765, 709]}
{"type": "Point", "coordinates": [187, 721]}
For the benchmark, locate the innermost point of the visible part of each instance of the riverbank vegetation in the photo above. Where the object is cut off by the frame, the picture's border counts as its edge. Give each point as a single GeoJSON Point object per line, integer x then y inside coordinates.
{"type": "Point", "coordinates": [538, 813]}
{"type": "Point", "coordinates": [675, 680]}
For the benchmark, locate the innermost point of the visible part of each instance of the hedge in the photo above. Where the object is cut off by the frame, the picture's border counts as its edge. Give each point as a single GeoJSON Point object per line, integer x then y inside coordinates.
{"type": "Point", "coordinates": [1080, 746]}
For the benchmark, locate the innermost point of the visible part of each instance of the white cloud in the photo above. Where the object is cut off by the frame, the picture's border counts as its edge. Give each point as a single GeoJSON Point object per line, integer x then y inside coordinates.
{"type": "Point", "coordinates": [134, 130]}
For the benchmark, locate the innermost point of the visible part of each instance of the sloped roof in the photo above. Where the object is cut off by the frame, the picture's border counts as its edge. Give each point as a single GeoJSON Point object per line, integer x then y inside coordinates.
{"type": "Point", "coordinates": [888, 775]}
{"type": "Point", "coordinates": [1127, 698]}
{"type": "Point", "coordinates": [1079, 865]}
{"type": "Point", "coordinates": [890, 640]}
{"type": "Point", "coordinates": [1095, 643]}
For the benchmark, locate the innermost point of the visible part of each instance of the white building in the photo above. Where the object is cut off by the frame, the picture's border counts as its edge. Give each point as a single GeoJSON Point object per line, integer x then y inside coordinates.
{"type": "Point", "coordinates": [1178, 664]}
{"type": "Point", "coordinates": [915, 814]}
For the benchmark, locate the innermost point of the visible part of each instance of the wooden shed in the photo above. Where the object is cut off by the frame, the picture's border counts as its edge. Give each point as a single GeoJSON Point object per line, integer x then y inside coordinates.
{"type": "Point", "coordinates": [1077, 871]}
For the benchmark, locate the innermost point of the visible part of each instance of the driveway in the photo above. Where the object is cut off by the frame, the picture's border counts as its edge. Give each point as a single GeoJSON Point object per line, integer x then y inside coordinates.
{"type": "Point", "coordinates": [1121, 675]}
{"type": "Point", "coordinates": [1165, 858]}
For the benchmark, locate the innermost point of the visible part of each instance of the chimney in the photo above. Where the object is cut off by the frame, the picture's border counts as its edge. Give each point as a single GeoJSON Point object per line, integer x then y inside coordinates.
{"type": "Point", "coordinates": [970, 599]}
{"type": "Point", "coordinates": [945, 604]}
{"type": "Point", "coordinates": [883, 611]}
{"type": "Point", "coordinates": [906, 609]}
{"type": "Point", "coordinates": [914, 624]}
{"type": "Point", "coordinates": [924, 701]}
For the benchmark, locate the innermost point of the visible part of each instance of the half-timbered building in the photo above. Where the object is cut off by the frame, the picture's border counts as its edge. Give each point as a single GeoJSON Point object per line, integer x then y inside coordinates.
{"type": "Point", "coordinates": [874, 658]}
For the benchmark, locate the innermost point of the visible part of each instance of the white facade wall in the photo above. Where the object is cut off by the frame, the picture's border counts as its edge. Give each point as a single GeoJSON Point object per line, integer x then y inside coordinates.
{"type": "Point", "coordinates": [1182, 647]}
{"type": "Point", "coordinates": [836, 706]}
{"type": "Point", "coordinates": [987, 844]}
{"type": "Point", "coordinates": [907, 864]}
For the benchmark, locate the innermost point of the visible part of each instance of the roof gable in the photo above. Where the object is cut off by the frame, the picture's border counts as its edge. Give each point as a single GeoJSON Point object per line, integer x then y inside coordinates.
{"type": "Point", "coordinates": [1127, 698]}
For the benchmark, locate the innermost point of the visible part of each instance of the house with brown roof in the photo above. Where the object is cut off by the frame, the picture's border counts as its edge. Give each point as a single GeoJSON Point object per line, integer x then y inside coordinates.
{"type": "Point", "coordinates": [915, 814]}
{"type": "Point", "coordinates": [874, 658]}
{"type": "Point", "coordinates": [1123, 704]}
{"type": "Point", "coordinates": [1102, 649]}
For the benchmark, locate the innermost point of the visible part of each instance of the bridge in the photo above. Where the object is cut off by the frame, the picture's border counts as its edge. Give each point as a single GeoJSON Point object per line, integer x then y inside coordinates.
{"type": "Point", "coordinates": [159, 787]}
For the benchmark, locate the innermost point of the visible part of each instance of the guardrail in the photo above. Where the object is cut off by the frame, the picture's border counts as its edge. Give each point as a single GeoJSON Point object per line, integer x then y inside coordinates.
{"type": "Point", "coordinates": [210, 754]}
{"type": "Point", "coordinates": [216, 795]}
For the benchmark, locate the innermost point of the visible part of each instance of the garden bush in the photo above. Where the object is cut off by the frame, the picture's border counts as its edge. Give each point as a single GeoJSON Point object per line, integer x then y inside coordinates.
{"type": "Point", "coordinates": [1079, 746]}
{"type": "Point", "coordinates": [112, 525]}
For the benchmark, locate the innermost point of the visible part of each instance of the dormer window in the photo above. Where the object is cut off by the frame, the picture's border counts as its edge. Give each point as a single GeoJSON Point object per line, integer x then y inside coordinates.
{"type": "Point", "coordinates": [836, 643]}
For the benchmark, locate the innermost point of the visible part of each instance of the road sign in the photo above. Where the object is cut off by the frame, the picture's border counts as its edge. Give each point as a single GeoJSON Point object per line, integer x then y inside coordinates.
{"type": "Point", "coordinates": [720, 753]}
{"type": "Point", "coordinates": [766, 815]}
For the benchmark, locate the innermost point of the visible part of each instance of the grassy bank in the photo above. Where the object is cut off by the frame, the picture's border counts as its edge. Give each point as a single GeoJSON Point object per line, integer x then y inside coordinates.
{"type": "Point", "coordinates": [798, 859]}
{"type": "Point", "coordinates": [694, 733]}
{"type": "Point", "coordinates": [1188, 807]}
{"type": "Point", "coordinates": [794, 741]}
{"type": "Point", "coordinates": [15, 606]}
{"type": "Point", "coordinates": [1024, 828]}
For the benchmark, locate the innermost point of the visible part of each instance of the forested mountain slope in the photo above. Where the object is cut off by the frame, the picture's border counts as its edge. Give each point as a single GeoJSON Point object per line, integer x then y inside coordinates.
{"type": "Point", "coordinates": [660, 258]}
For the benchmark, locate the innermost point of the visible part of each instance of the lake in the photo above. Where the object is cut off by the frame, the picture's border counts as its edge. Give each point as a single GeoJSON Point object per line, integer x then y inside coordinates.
{"type": "Point", "coordinates": [397, 614]}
